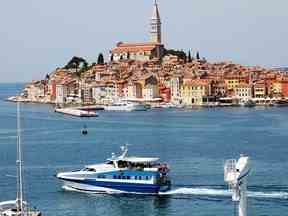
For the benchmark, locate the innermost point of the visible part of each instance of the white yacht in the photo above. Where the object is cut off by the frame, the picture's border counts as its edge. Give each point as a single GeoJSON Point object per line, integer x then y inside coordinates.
{"type": "Point", "coordinates": [247, 103]}
{"type": "Point", "coordinates": [126, 106]}
{"type": "Point", "coordinates": [18, 207]}
{"type": "Point", "coordinates": [120, 174]}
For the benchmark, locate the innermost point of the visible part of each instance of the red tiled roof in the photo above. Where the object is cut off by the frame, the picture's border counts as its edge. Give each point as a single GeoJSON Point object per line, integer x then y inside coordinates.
{"type": "Point", "coordinates": [134, 47]}
{"type": "Point", "coordinates": [197, 82]}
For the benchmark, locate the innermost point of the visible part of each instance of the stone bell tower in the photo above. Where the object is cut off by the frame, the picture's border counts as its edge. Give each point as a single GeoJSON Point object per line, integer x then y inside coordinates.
{"type": "Point", "coordinates": [155, 25]}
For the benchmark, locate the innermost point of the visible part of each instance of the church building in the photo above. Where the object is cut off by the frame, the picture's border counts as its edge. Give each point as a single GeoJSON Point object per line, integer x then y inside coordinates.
{"type": "Point", "coordinates": [143, 51]}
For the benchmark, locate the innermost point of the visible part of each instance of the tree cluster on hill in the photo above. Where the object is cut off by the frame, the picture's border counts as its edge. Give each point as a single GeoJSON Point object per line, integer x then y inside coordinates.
{"type": "Point", "coordinates": [80, 64]}
{"type": "Point", "coordinates": [181, 54]}
{"type": "Point", "coordinates": [76, 63]}
{"type": "Point", "coordinates": [100, 59]}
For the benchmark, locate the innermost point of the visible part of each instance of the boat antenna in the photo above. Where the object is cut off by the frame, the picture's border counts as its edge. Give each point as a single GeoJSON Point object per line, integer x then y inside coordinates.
{"type": "Point", "coordinates": [19, 198]}
{"type": "Point", "coordinates": [124, 150]}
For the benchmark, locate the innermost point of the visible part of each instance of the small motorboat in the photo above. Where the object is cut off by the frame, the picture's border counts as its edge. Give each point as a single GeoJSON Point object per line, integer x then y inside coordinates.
{"type": "Point", "coordinates": [84, 130]}
{"type": "Point", "coordinates": [247, 103]}
{"type": "Point", "coordinates": [281, 103]}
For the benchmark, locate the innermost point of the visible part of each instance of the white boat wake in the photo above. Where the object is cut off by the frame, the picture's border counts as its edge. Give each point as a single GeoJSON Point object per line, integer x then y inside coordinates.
{"type": "Point", "coordinates": [205, 192]}
{"type": "Point", "coordinates": [224, 193]}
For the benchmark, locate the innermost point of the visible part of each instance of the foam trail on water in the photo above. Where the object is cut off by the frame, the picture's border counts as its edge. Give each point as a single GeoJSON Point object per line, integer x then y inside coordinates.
{"type": "Point", "coordinates": [268, 195]}
{"type": "Point", "coordinates": [224, 193]}
{"type": "Point", "coordinates": [198, 191]}
{"type": "Point", "coordinates": [202, 192]}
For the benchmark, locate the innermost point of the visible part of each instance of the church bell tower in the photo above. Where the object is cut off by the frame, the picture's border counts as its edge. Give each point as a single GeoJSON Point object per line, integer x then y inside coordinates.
{"type": "Point", "coordinates": [155, 25]}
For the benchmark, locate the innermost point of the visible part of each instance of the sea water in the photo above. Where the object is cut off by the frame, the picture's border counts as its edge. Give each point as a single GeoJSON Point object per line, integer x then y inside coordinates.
{"type": "Point", "coordinates": [195, 143]}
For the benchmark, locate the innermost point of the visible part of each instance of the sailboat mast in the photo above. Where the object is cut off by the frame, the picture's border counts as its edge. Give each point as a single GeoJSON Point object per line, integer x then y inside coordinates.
{"type": "Point", "coordinates": [19, 199]}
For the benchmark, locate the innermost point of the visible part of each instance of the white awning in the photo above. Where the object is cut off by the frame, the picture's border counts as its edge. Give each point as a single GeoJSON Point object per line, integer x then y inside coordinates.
{"type": "Point", "coordinates": [140, 159]}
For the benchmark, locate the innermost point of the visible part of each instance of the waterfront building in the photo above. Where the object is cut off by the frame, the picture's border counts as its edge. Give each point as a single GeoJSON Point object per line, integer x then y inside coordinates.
{"type": "Point", "coordinates": [86, 93]}
{"type": "Point", "coordinates": [195, 92]}
{"type": "Point", "coordinates": [52, 89]}
{"type": "Point", "coordinates": [276, 88]}
{"type": "Point", "coordinates": [119, 88]}
{"type": "Point", "coordinates": [143, 51]}
{"type": "Point", "coordinates": [219, 88]}
{"type": "Point", "coordinates": [98, 93]}
{"type": "Point", "coordinates": [259, 89]}
{"type": "Point", "coordinates": [103, 93]}
{"type": "Point", "coordinates": [243, 91]}
{"type": "Point", "coordinates": [165, 93]}
{"type": "Point", "coordinates": [150, 86]}
{"type": "Point", "coordinates": [284, 89]}
{"type": "Point", "coordinates": [35, 91]}
{"type": "Point", "coordinates": [125, 94]}
{"type": "Point", "coordinates": [134, 90]}
{"type": "Point", "coordinates": [151, 92]}
{"type": "Point", "coordinates": [61, 94]}
{"type": "Point", "coordinates": [175, 83]}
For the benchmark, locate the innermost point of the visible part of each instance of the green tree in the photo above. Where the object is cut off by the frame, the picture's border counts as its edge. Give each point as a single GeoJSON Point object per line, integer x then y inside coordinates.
{"type": "Point", "coordinates": [189, 57]}
{"type": "Point", "coordinates": [75, 62]}
{"type": "Point", "coordinates": [100, 59]}
{"type": "Point", "coordinates": [197, 56]}
{"type": "Point", "coordinates": [180, 53]}
{"type": "Point", "coordinates": [128, 55]}
{"type": "Point", "coordinates": [112, 58]}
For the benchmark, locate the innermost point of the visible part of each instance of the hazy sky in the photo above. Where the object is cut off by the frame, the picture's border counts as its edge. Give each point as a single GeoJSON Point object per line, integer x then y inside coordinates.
{"type": "Point", "coordinates": [36, 36]}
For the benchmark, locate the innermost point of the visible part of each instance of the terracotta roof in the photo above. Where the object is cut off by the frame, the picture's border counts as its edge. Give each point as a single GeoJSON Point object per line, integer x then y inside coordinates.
{"type": "Point", "coordinates": [134, 47]}
{"type": "Point", "coordinates": [197, 82]}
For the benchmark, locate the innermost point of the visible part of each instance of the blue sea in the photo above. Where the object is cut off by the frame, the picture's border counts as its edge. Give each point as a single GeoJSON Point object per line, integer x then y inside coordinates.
{"type": "Point", "coordinates": [195, 143]}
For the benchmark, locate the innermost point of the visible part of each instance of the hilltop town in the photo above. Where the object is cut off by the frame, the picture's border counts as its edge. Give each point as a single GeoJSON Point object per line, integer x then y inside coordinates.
{"type": "Point", "coordinates": [147, 72]}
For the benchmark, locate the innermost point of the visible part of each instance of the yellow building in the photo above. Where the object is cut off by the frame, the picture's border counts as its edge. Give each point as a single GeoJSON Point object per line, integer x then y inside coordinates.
{"type": "Point", "coordinates": [150, 92]}
{"type": "Point", "coordinates": [277, 88]}
{"type": "Point", "coordinates": [193, 93]}
{"type": "Point", "coordinates": [232, 83]}
{"type": "Point", "coordinates": [134, 90]}
{"type": "Point", "coordinates": [260, 90]}
{"type": "Point", "coordinates": [150, 87]}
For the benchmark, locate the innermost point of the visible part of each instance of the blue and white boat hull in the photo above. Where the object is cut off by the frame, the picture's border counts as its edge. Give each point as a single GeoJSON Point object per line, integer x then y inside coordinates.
{"type": "Point", "coordinates": [120, 174]}
{"type": "Point", "coordinates": [114, 187]}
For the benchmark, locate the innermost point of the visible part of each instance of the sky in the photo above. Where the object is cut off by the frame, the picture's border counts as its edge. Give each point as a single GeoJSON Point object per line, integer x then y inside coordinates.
{"type": "Point", "coordinates": [37, 36]}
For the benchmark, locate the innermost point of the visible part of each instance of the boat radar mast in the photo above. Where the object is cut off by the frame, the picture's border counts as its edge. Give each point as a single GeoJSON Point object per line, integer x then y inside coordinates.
{"type": "Point", "coordinates": [235, 174]}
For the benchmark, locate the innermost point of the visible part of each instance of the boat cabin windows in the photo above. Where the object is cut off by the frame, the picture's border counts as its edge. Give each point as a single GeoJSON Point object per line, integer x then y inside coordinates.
{"type": "Point", "coordinates": [88, 169]}
{"type": "Point", "coordinates": [142, 177]}
{"type": "Point", "coordinates": [131, 177]}
{"type": "Point", "coordinates": [109, 162]}
{"type": "Point", "coordinates": [131, 165]}
{"type": "Point", "coordinates": [122, 164]}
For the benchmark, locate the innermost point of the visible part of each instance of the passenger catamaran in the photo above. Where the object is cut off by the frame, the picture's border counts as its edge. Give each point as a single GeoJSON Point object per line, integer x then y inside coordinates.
{"type": "Point", "coordinates": [120, 174]}
{"type": "Point", "coordinates": [18, 207]}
